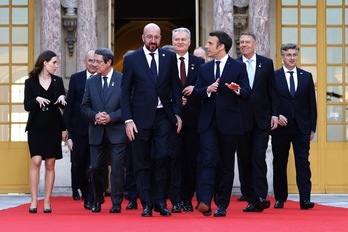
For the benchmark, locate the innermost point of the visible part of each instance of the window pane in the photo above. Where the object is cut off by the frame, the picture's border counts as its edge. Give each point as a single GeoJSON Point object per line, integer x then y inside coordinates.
{"type": "Point", "coordinates": [313, 70]}
{"type": "Point", "coordinates": [19, 114]}
{"type": "Point", "coordinates": [4, 55]}
{"type": "Point", "coordinates": [4, 74]}
{"type": "Point", "coordinates": [19, 2]}
{"type": "Point", "coordinates": [19, 74]}
{"type": "Point", "coordinates": [308, 2]}
{"type": "Point", "coordinates": [333, 2]}
{"type": "Point", "coordinates": [334, 55]}
{"type": "Point", "coordinates": [20, 35]}
{"type": "Point", "coordinates": [4, 133]}
{"type": "Point", "coordinates": [4, 16]}
{"type": "Point", "coordinates": [334, 94]}
{"type": "Point", "coordinates": [20, 15]}
{"type": "Point", "coordinates": [20, 54]}
{"type": "Point", "coordinates": [289, 35]}
{"type": "Point", "coordinates": [346, 59]}
{"type": "Point", "coordinates": [345, 74]}
{"type": "Point", "coordinates": [334, 133]}
{"type": "Point", "coordinates": [308, 16]}
{"type": "Point", "coordinates": [308, 55]}
{"type": "Point", "coordinates": [334, 75]}
{"type": "Point", "coordinates": [4, 35]}
{"type": "Point", "coordinates": [334, 16]}
{"type": "Point", "coordinates": [289, 16]}
{"type": "Point", "coordinates": [346, 36]}
{"type": "Point", "coordinates": [289, 2]}
{"type": "Point", "coordinates": [18, 133]}
{"type": "Point", "coordinates": [17, 93]}
{"type": "Point", "coordinates": [346, 94]}
{"type": "Point", "coordinates": [308, 35]}
{"type": "Point", "coordinates": [333, 35]}
{"type": "Point", "coordinates": [345, 16]}
{"type": "Point", "coordinates": [4, 3]}
{"type": "Point", "coordinates": [334, 113]}
{"type": "Point", "coordinates": [4, 113]}
{"type": "Point", "coordinates": [4, 94]}
{"type": "Point", "coordinates": [347, 132]}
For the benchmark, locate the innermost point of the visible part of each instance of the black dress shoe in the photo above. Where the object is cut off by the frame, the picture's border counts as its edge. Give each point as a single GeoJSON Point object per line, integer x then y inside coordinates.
{"type": "Point", "coordinates": [147, 211]}
{"type": "Point", "coordinates": [96, 207]}
{"type": "Point", "coordinates": [132, 205]}
{"type": "Point", "coordinates": [162, 209]}
{"type": "Point", "coordinates": [252, 207]}
{"type": "Point", "coordinates": [306, 204]}
{"type": "Point", "coordinates": [176, 208]}
{"type": "Point", "coordinates": [279, 204]}
{"type": "Point", "coordinates": [204, 209]}
{"type": "Point", "coordinates": [76, 195]}
{"type": "Point", "coordinates": [32, 210]}
{"type": "Point", "coordinates": [242, 198]}
{"type": "Point", "coordinates": [49, 210]}
{"type": "Point", "coordinates": [115, 208]}
{"type": "Point", "coordinates": [220, 212]}
{"type": "Point", "coordinates": [87, 205]}
{"type": "Point", "coordinates": [187, 206]}
{"type": "Point", "coordinates": [264, 203]}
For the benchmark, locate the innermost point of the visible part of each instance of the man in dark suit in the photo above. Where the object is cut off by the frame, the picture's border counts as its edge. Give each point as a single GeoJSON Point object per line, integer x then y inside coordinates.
{"type": "Point", "coordinates": [298, 121]}
{"type": "Point", "coordinates": [101, 106]}
{"type": "Point", "coordinates": [185, 145]}
{"type": "Point", "coordinates": [151, 108]}
{"type": "Point", "coordinates": [260, 116]}
{"type": "Point", "coordinates": [78, 131]}
{"type": "Point", "coordinates": [220, 84]}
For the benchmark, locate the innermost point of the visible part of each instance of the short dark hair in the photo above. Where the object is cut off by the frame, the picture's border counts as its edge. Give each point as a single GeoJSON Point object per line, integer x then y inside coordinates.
{"type": "Point", "coordinates": [288, 46]}
{"type": "Point", "coordinates": [223, 38]}
{"type": "Point", "coordinates": [39, 64]}
{"type": "Point", "coordinates": [106, 53]}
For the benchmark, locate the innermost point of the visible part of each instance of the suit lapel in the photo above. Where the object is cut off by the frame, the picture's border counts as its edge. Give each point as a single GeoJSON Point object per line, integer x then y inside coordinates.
{"type": "Point", "coordinates": [226, 68]}
{"type": "Point", "coordinates": [143, 62]}
{"type": "Point", "coordinates": [283, 84]}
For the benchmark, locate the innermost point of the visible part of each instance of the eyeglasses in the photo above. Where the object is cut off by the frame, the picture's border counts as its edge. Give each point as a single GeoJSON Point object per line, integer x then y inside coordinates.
{"type": "Point", "coordinates": [150, 37]}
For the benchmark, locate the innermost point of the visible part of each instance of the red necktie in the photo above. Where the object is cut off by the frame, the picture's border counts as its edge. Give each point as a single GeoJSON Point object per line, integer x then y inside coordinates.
{"type": "Point", "coordinates": [182, 71]}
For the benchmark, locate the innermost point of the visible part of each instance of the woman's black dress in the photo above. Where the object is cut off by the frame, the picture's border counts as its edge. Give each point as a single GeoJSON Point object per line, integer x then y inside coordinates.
{"type": "Point", "coordinates": [45, 135]}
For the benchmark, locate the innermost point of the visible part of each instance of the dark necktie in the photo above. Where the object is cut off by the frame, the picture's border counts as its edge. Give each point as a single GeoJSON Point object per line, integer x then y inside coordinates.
{"type": "Point", "coordinates": [292, 84]}
{"type": "Point", "coordinates": [217, 73]}
{"type": "Point", "coordinates": [153, 66]}
{"type": "Point", "coordinates": [182, 71]}
{"type": "Point", "coordinates": [105, 87]}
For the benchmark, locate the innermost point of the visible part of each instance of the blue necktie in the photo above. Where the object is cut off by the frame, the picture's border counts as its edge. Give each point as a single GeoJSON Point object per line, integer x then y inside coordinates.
{"type": "Point", "coordinates": [105, 87]}
{"type": "Point", "coordinates": [153, 66]}
{"type": "Point", "coordinates": [217, 73]}
{"type": "Point", "coordinates": [292, 84]}
{"type": "Point", "coordinates": [251, 73]}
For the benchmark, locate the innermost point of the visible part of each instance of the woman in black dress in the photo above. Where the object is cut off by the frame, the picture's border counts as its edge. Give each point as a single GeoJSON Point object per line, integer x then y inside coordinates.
{"type": "Point", "coordinates": [44, 96]}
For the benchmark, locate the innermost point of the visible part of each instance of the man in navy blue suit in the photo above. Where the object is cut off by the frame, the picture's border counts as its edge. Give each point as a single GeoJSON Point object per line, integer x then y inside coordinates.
{"type": "Point", "coordinates": [101, 106]}
{"type": "Point", "coordinates": [78, 132]}
{"type": "Point", "coordinates": [297, 120]}
{"type": "Point", "coordinates": [151, 109]}
{"type": "Point", "coordinates": [260, 116]}
{"type": "Point", "coordinates": [186, 144]}
{"type": "Point", "coordinates": [221, 83]}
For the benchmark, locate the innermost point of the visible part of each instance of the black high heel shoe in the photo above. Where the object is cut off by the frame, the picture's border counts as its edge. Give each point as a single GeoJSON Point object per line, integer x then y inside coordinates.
{"type": "Point", "coordinates": [33, 210]}
{"type": "Point", "coordinates": [47, 210]}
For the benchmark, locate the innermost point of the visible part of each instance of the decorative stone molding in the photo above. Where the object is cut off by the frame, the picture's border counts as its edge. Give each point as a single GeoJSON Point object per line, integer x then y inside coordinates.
{"type": "Point", "coordinates": [70, 23]}
{"type": "Point", "coordinates": [240, 19]}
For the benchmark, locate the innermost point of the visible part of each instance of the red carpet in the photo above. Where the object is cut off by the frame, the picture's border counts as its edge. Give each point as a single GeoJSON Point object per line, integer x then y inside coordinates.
{"type": "Point", "coordinates": [69, 215]}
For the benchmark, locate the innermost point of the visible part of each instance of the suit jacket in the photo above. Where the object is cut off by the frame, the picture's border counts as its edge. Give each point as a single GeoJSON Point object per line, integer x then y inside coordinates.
{"type": "Point", "coordinates": [93, 103]}
{"type": "Point", "coordinates": [191, 110]}
{"type": "Point", "coordinates": [225, 102]}
{"type": "Point", "coordinates": [32, 91]}
{"type": "Point", "coordinates": [263, 102]}
{"type": "Point", "coordinates": [140, 91]}
{"type": "Point", "coordinates": [73, 118]}
{"type": "Point", "coordinates": [302, 107]}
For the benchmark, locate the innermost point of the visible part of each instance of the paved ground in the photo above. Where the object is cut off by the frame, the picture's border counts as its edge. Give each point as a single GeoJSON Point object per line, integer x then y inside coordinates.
{"type": "Point", "coordinates": [338, 200]}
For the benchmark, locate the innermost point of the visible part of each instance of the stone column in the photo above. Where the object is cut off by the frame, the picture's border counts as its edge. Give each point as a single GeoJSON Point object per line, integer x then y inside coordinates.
{"type": "Point", "coordinates": [86, 30]}
{"type": "Point", "coordinates": [223, 18]}
{"type": "Point", "coordinates": [259, 25]}
{"type": "Point", "coordinates": [51, 28]}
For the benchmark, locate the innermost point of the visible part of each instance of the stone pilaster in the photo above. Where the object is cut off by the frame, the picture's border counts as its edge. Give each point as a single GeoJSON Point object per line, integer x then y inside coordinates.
{"type": "Point", "coordinates": [223, 18]}
{"type": "Point", "coordinates": [51, 28]}
{"type": "Point", "coordinates": [86, 30]}
{"type": "Point", "coordinates": [259, 24]}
